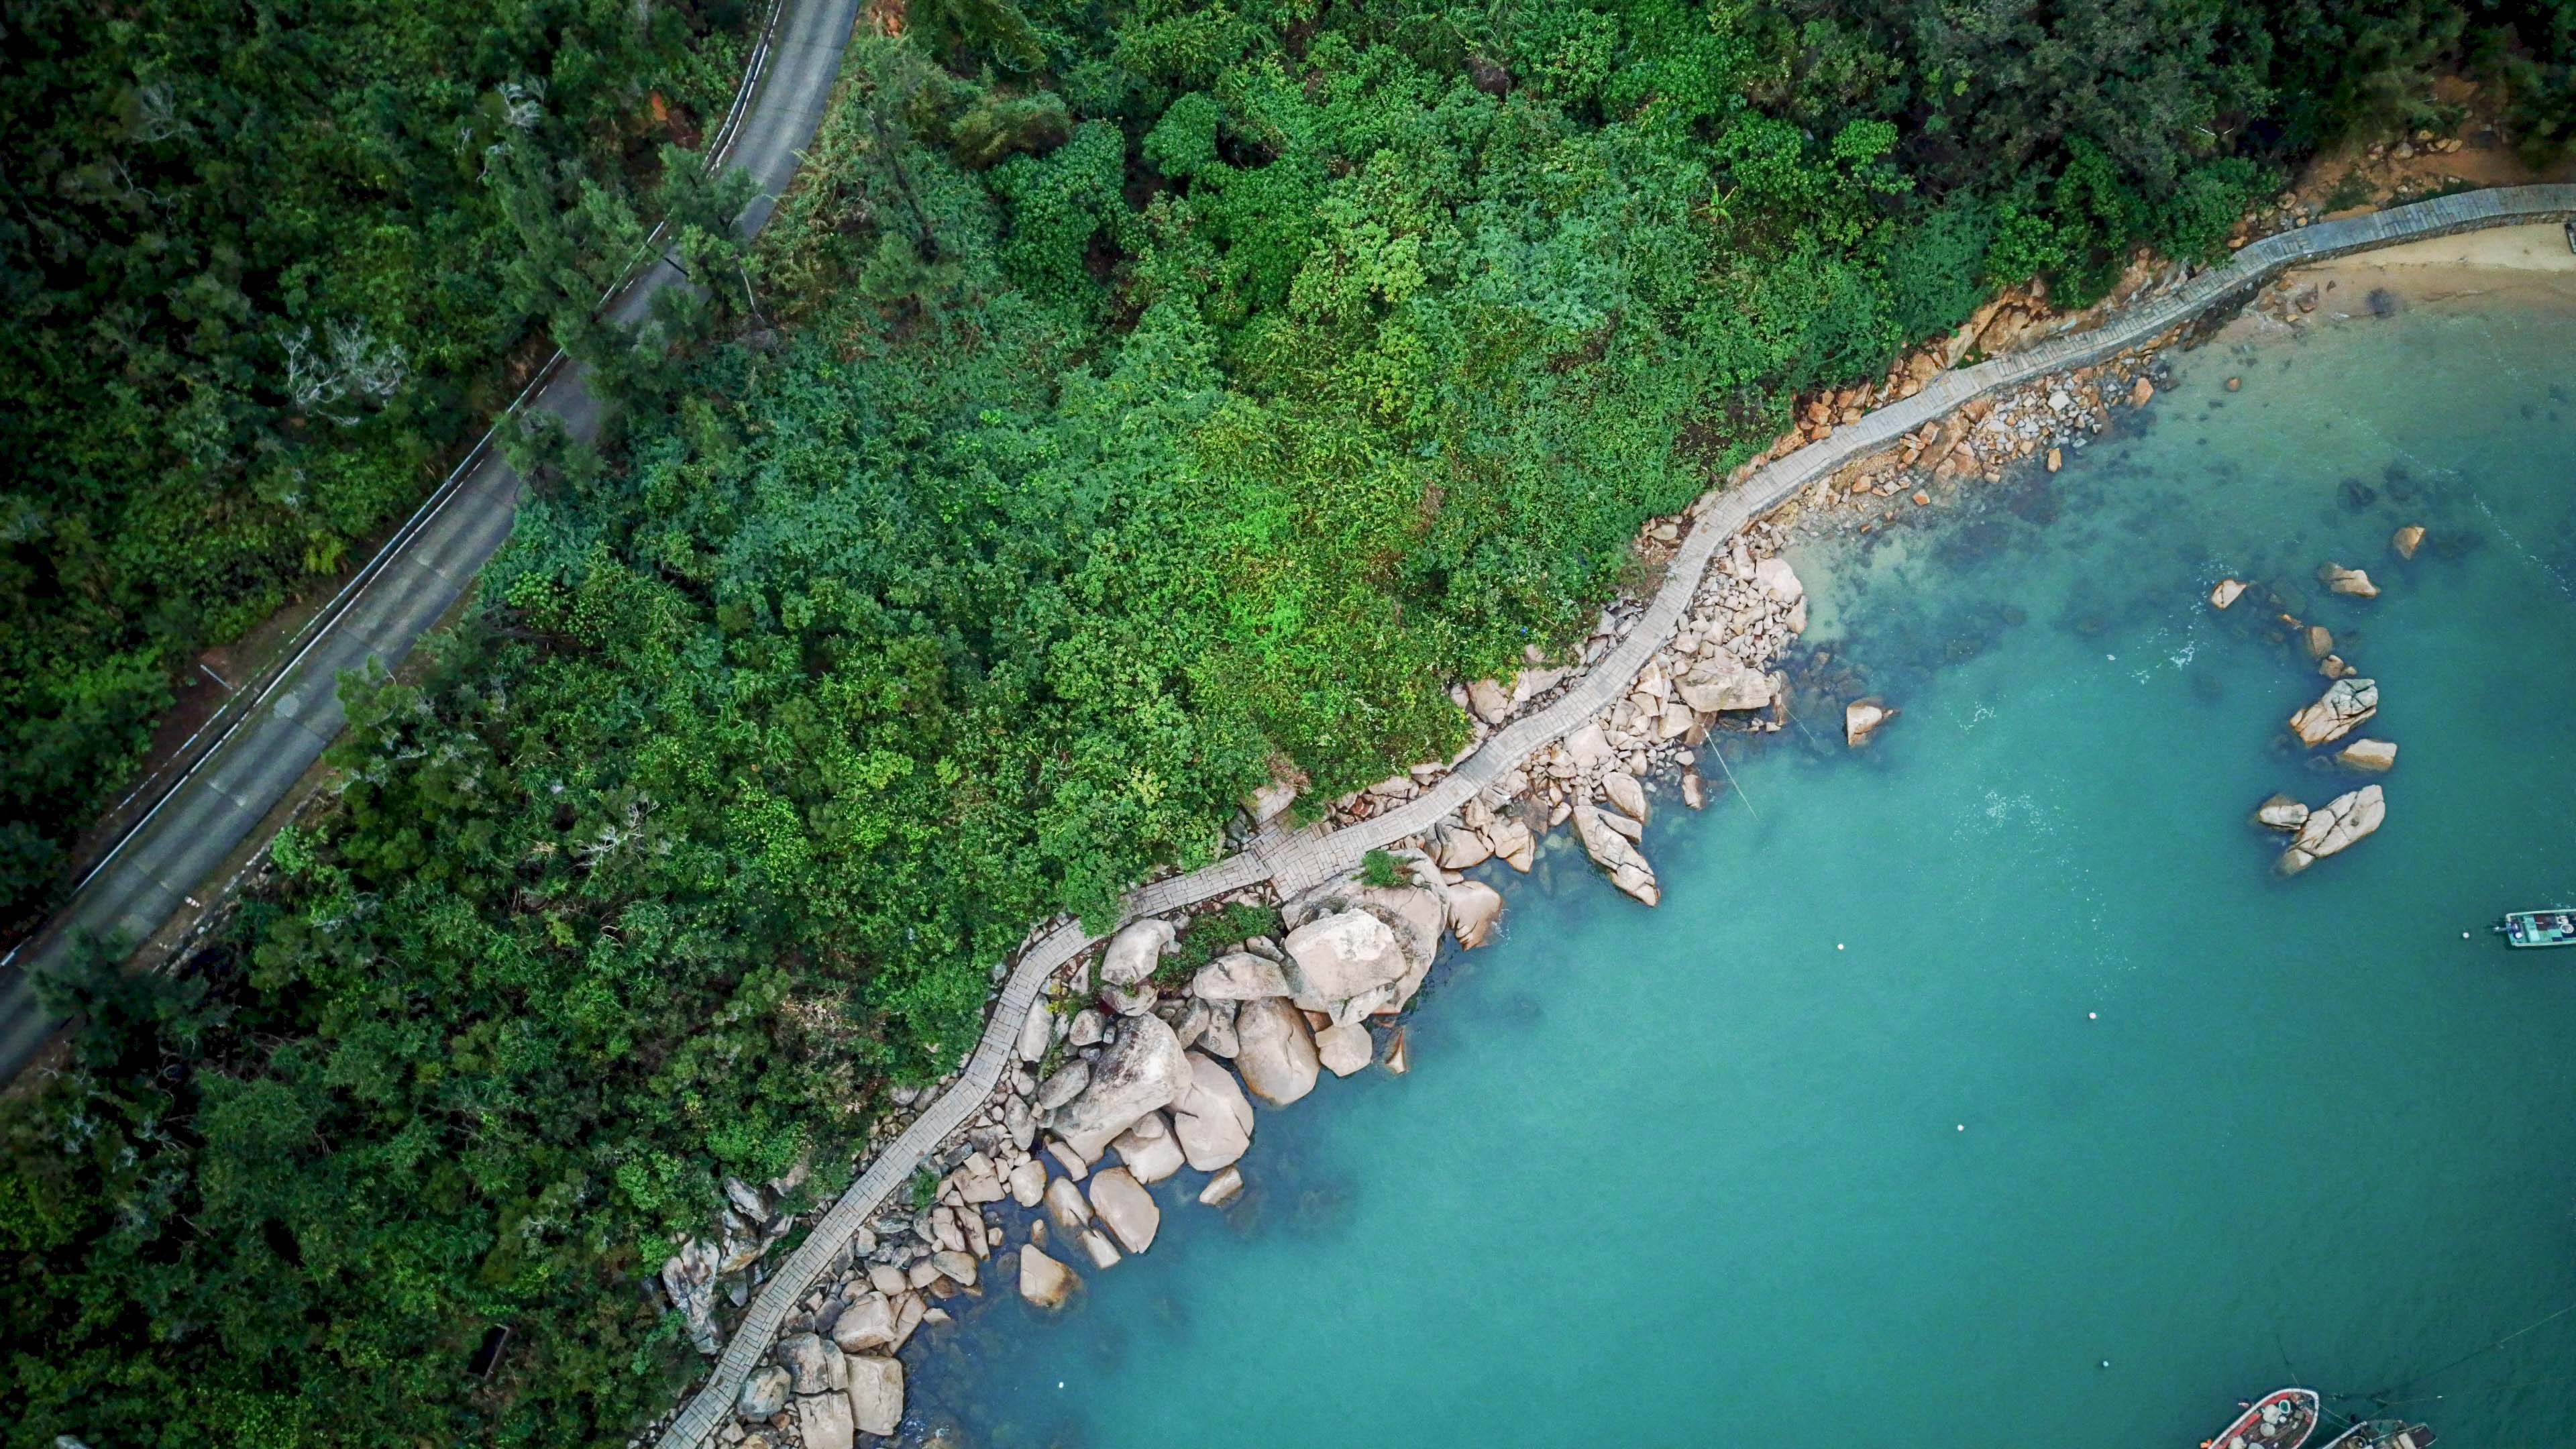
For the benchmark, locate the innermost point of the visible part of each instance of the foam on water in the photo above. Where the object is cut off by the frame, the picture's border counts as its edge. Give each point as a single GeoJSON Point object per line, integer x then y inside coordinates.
{"type": "Point", "coordinates": [2083, 1081]}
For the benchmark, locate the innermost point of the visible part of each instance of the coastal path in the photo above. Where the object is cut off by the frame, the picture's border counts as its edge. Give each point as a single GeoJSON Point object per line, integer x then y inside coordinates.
{"type": "Point", "coordinates": [1294, 861]}
{"type": "Point", "coordinates": [245, 762]}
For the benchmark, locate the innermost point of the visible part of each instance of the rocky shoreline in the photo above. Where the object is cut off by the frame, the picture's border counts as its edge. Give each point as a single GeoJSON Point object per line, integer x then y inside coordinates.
{"type": "Point", "coordinates": [1122, 1056]}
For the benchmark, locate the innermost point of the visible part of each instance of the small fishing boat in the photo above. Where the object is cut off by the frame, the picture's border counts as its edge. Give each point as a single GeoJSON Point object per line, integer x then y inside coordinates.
{"type": "Point", "coordinates": [2527, 929]}
{"type": "Point", "coordinates": [2281, 1419]}
{"type": "Point", "coordinates": [2384, 1434]}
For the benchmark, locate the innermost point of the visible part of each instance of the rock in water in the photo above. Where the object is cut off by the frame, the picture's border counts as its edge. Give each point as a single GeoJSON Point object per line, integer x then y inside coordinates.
{"type": "Point", "coordinates": [2368, 755]}
{"type": "Point", "coordinates": [1212, 1120]}
{"type": "Point", "coordinates": [1149, 1149]}
{"type": "Point", "coordinates": [1399, 1058]}
{"type": "Point", "coordinates": [1345, 1048]}
{"type": "Point", "coordinates": [2338, 712]}
{"type": "Point", "coordinates": [1222, 1188]}
{"type": "Point", "coordinates": [2281, 813]}
{"type": "Point", "coordinates": [876, 1395]}
{"type": "Point", "coordinates": [956, 1267]}
{"type": "Point", "coordinates": [1097, 1247]}
{"type": "Point", "coordinates": [1028, 1182]}
{"type": "Point", "coordinates": [763, 1393]}
{"type": "Point", "coordinates": [1611, 851]}
{"type": "Point", "coordinates": [1141, 1070]}
{"type": "Point", "coordinates": [2227, 592]}
{"type": "Point", "coordinates": [1065, 1205]}
{"type": "Point", "coordinates": [1135, 951]}
{"type": "Point", "coordinates": [1694, 794]}
{"type": "Point", "coordinates": [1861, 719]}
{"type": "Point", "coordinates": [1044, 1281]}
{"type": "Point", "coordinates": [2408, 539]}
{"type": "Point", "coordinates": [2333, 667]}
{"type": "Point", "coordinates": [824, 1421]}
{"type": "Point", "coordinates": [1126, 1208]}
{"type": "Point", "coordinates": [1344, 965]}
{"type": "Point", "coordinates": [1277, 1056]}
{"type": "Point", "coordinates": [1473, 908]}
{"type": "Point", "coordinates": [2353, 582]}
{"type": "Point", "coordinates": [2334, 826]}
{"type": "Point", "coordinates": [2319, 640]}
{"type": "Point", "coordinates": [1513, 843]}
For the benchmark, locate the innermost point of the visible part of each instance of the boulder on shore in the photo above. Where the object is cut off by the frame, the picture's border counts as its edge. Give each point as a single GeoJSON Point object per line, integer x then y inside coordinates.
{"type": "Point", "coordinates": [2227, 592]}
{"type": "Point", "coordinates": [1125, 1208]}
{"type": "Point", "coordinates": [2334, 827]}
{"type": "Point", "coordinates": [1459, 848]}
{"type": "Point", "coordinates": [1064, 1204]}
{"type": "Point", "coordinates": [1141, 1070]}
{"type": "Point", "coordinates": [2408, 539]}
{"type": "Point", "coordinates": [2338, 712]}
{"type": "Point", "coordinates": [876, 1395]}
{"type": "Point", "coordinates": [2368, 755]}
{"type": "Point", "coordinates": [1149, 1149]}
{"type": "Point", "coordinates": [1775, 575]}
{"type": "Point", "coordinates": [823, 1421]}
{"type": "Point", "coordinates": [1622, 790]}
{"type": "Point", "coordinates": [1720, 682]}
{"type": "Point", "coordinates": [1044, 1281]}
{"type": "Point", "coordinates": [1277, 1052]}
{"type": "Point", "coordinates": [1513, 843]}
{"type": "Point", "coordinates": [1212, 1120]}
{"type": "Point", "coordinates": [865, 1324]}
{"type": "Point", "coordinates": [1135, 951]}
{"type": "Point", "coordinates": [2351, 582]}
{"type": "Point", "coordinates": [1239, 976]}
{"type": "Point", "coordinates": [1861, 719]}
{"type": "Point", "coordinates": [1345, 965]}
{"type": "Point", "coordinates": [763, 1393]}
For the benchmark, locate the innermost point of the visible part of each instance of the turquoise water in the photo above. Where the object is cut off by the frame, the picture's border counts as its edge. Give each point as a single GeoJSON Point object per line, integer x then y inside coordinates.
{"type": "Point", "coordinates": [1697, 1175]}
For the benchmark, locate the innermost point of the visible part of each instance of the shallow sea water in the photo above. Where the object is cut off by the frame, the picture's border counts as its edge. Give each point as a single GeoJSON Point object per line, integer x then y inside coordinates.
{"type": "Point", "coordinates": [1697, 1175]}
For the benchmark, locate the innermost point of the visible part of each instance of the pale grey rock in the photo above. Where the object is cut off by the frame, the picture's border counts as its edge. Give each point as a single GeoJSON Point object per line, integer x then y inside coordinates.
{"type": "Point", "coordinates": [1588, 746]}
{"type": "Point", "coordinates": [1149, 1149]}
{"type": "Point", "coordinates": [1622, 790]}
{"type": "Point", "coordinates": [689, 1277]}
{"type": "Point", "coordinates": [1222, 1188]}
{"type": "Point", "coordinates": [1461, 849]}
{"type": "Point", "coordinates": [1612, 851]}
{"type": "Point", "coordinates": [1036, 1031]}
{"type": "Point", "coordinates": [2368, 755]}
{"type": "Point", "coordinates": [1044, 1281]}
{"type": "Point", "coordinates": [1491, 702]}
{"type": "Point", "coordinates": [1344, 1048]}
{"type": "Point", "coordinates": [1095, 1245]}
{"type": "Point", "coordinates": [1066, 1084]}
{"type": "Point", "coordinates": [1135, 951]}
{"type": "Point", "coordinates": [1861, 719]}
{"type": "Point", "coordinates": [1344, 965]}
{"type": "Point", "coordinates": [1126, 1001]}
{"type": "Point", "coordinates": [1239, 976]}
{"type": "Point", "coordinates": [1066, 1207]}
{"type": "Point", "coordinates": [2353, 583]}
{"type": "Point", "coordinates": [2281, 813]}
{"type": "Point", "coordinates": [1123, 1205]}
{"type": "Point", "coordinates": [2334, 827]}
{"type": "Point", "coordinates": [1474, 907]}
{"type": "Point", "coordinates": [1277, 1055]}
{"type": "Point", "coordinates": [1512, 843]}
{"type": "Point", "coordinates": [2338, 712]}
{"type": "Point", "coordinates": [1089, 1026]}
{"type": "Point", "coordinates": [1219, 1038]}
{"type": "Point", "coordinates": [823, 1421]}
{"type": "Point", "coordinates": [957, 1267]}
{"type": "Point", "coordinates": [865, 1323]}
{"type": "Point", "coordinates": [1720, 682]}
{"type": "Point", "coordinates": [1775, 575]}
{"type": "Point", "coordinates": [1141, 1071]}
{"type": "Point", "coordinates": [1212, 1121]}
{"type": "Point", "coordinates": [1028, 1182]}
{"type": "Point", "coordinates": [876, 1394]}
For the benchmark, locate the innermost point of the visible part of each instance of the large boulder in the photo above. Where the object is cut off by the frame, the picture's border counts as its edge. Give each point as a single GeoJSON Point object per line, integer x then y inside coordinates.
{"type": "Point", "coordinates": [1473, 908]}
{"type": "Point", "coordinates": [1417, 917]}
{"type": "Point", "coordinates": [2406, 540]}
{"type": "Point", "coordinates": [1135, 951]}
{"type": "Point", "coordinates": [1721, 682]}
{"type": "Point", "coordinates": [1064, 1204]}
{"type": "Point", "coordinates": [1141, 1070]}
{"type": "Point", "coordinates": [823, 1421]}
{"type": "Point", "coordinates": [1066, 1083]}
{"type": "Point", "coordinates": [2334, 827]}
{"type": "Point", "coordinates": [2338, 712]}
{"type": "Point", "coordinates": [815, 1362]}
{"type": "Point", "coordinates": [1345, 965]}
{"type": "Point", "coordinates": [1036, 1030]}
{"type": "Point", "coordinates": [1276, 1051]}
{"type": "Point", "coordinates": [1149, 1149]}
{"type": "Point", "coordinates": [865, 1324]}
{"type": "Point", "coordinates": [1513, 844]}
{"type": "Point", "coordinates": [1028, 1181]}
{"type": "Point", "coordinates": [763, 1393]}
{"type": "Point", "coordinates": [1124, 1206]}
{"type": "Point", "coordinates": [1219, 1037]}
{"type": "Point", "coordinates": [1459, 848]}
{"type": "Point", "coordinates": [1239, 976]}
{"type": "Point", "coordinates": [689, 1276]}
{"type": "Point", "coordinates": [1775, 575]}
{"type": "Point", "coordinates": [1861, 719]}
{"type": "Point", "coordinates": [1621, 789]}
{"type": "Point", "coordinates": [1212, 1121]}
{"type": "Point", "coordinates": [1044, 1281]}
{"type": "Point", "coordinates": [1612, 851]}
{"type": "Point", "coordinates": [876, 1395]}
{"type": "Point", "coordinates": [2368, 755]}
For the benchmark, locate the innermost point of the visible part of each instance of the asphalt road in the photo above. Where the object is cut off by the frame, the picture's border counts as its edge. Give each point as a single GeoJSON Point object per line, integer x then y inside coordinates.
{"type": "Point", "coordinates": [147, 877]}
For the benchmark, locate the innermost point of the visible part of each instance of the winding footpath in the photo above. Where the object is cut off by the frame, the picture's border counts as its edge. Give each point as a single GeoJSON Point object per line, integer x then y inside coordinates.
{"type": "Point", "coordinates": [246, 762]}
{"type": "Point", "coordinates": [1294, 861]}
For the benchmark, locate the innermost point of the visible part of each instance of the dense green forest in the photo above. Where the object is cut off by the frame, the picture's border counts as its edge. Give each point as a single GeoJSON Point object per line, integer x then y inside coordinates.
{"type": "Point", "coordinates": [1133, 401]}
{"type": "Point", "coordinates": [258, 263]}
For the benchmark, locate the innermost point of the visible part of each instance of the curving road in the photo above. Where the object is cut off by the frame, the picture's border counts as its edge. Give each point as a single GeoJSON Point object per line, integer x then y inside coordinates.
{"type": "Point", "coordinates": [282, 725]}
{"type": "Point", "coordinates": [1295, 861]}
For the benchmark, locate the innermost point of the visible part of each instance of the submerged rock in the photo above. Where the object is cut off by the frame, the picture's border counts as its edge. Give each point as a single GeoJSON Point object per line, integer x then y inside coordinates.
{"type": "Point", "coordinates": [2334, 827]}
{"type": "Point", "coordinates": [1612, 851]}
{"type": "Point", "coordinates": [1044, 1281]}
{"type": "Point", "coordinates": [2408, 539]}
{"type": "Point", "coordinates": [2338, 712]}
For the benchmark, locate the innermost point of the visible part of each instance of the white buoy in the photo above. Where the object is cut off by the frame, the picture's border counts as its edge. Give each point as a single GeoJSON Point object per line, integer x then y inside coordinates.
{"type": "Point", "coordinates": [2092, 1016]}
{"type": "Point", "coordinates": [1838, 945]}
{"type": "Point", "coordinates": [1963, 1126]}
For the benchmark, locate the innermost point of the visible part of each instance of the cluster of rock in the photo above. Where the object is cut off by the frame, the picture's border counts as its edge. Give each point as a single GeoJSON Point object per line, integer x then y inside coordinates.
{"type": "Point", "coordinates": [2348, 703]}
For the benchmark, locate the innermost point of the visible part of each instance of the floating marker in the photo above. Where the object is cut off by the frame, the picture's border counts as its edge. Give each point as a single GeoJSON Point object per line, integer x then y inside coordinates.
{"type": "Point", "coordinates": [2092, 1016]}
{"type": "Point", "coordinates": [1838, 945]}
